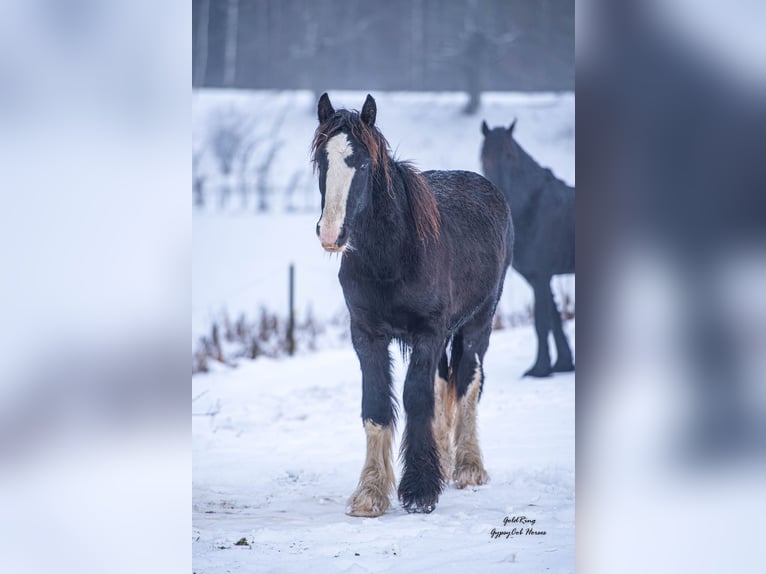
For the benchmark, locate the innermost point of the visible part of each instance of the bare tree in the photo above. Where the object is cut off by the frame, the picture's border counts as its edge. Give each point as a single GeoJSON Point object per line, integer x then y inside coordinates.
{"type": "Point", "coordinates": [230, 47]}
{"type": "Point", "coordinates": [229, 130]}
{"type": "Point", "coordinates": [313, 53]}
{"type": "Point", "coordinates": [201, 39]}
{"type": "Point", "coordinates": [262, 185]}
{"type": "Point", "coordinates": [244, 165]}
{"type": "Point", "coordinates": [198, 178]}
{"type": "Point", "coordinates": [469, 50]}
{"type": "Point", "coordinates": [293, 185]}
{"type": "Point", "coordinates": [264, 167]}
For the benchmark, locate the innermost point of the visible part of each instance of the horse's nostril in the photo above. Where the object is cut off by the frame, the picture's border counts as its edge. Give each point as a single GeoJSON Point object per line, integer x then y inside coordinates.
{"type": "Point", "coordinates": [317, 230]}
{"type": "Point", "coordinates": [342, 235]}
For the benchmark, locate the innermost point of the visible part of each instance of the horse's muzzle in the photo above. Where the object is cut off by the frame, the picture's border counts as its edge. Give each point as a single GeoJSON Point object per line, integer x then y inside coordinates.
{"type": "Point", "coordinates": [339, 244]}
{"type": "Point", "coordinates": [332, 248]}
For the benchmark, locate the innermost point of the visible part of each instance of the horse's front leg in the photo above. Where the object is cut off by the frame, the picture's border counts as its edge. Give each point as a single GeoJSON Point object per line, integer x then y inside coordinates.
{"type": "Point", "coordinates": [422, 481]}
{"type": "Point", "coordinates": [376, 481]}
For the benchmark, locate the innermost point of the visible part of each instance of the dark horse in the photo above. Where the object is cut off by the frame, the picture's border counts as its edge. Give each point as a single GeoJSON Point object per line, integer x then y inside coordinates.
{"type": "Point", "coordinates": [424, 259]}
{"type": "Point", "coordinates": [543, 209]}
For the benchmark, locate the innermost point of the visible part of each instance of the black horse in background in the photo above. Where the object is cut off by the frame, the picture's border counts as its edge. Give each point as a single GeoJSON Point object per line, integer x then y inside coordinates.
{"type": "Point", "coordinates": [543, 209]}
{"type": "Point", "coordinates": [424, 257]}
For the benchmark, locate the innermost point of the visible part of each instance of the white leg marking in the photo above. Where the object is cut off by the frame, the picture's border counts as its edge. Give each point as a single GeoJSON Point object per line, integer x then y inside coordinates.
{"type": "Point", "coordinates": [377, 480]}
{"type": "Point", "coordinates": [469, 466]}
{"type": "Point", "coordinates": [444, 415]}
{"type": "Point", "coordinates": [337, 186]}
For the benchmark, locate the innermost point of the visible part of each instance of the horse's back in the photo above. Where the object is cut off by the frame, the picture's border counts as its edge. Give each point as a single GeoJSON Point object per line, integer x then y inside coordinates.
{"type": "Point", "coordinates": [546, 242]}
{"type": "Point", "coordinates": [561, 224]}
{"type": "Point", "coordinates": [470, 203]}
{"type": "Point", "coordinates": [476, 219]}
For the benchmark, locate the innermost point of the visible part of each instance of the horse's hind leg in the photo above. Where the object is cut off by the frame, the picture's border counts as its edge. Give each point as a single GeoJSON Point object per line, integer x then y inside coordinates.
{"type": "Point", "coordinates": [444, 415]}
{"type": "Point", "coordinates": [376, 481]}
{"type": "Point", "coordinates": [564, 361]}
{"type": "Point", "coordinates": [543, 317]}
{"type": "Point", "coordinates": [469, 377]}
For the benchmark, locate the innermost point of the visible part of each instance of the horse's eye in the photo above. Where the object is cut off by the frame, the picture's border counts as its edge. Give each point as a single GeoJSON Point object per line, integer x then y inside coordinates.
{"type": "Point", "coordinates": [364, 166]}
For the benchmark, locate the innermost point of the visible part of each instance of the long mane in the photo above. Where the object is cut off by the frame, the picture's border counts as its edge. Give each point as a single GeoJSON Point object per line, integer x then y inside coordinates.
{"type": "Point", "coordinates": [420, 197]}
{"type": "Point", "coordinates": [425, 212]}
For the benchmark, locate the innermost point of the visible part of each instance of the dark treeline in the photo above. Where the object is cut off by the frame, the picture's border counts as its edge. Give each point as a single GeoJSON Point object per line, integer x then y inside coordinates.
{"type": "Point", "coordinates": [465, 45]}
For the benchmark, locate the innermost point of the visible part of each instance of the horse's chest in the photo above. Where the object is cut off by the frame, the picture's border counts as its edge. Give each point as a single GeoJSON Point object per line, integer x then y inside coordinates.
{"type": "Point", "coordinates": [385, 304]}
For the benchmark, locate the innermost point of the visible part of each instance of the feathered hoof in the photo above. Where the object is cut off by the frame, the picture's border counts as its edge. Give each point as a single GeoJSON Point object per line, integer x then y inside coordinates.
{"type": "Point", "coordinates": [470, 475]}
{"type": "Point", "coordinates": [539, 372]}
{"type": "Point", "coordinates": [418, 494]}
{"type": "Point", "coordinates": [424, 504]}
{"type": "Point", "coordinates": [367, 503]}
{"type": "Point", "coordinates": [420, 509]}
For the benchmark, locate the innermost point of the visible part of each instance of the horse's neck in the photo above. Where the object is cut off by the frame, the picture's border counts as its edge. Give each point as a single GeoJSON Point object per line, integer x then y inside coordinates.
{"type": "Point", "coordinates": [384, 235]}
{"type": "Point", "coordinates": [528, 182]}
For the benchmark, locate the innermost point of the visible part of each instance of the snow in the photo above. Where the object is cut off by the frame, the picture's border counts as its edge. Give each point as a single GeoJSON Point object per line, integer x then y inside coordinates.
{"type": "Point", "coordinates": [278, 443]}
{"type": "Point", "coordinates": [241, 258]}
{"type": "Point", "coordinates": [278, 446]}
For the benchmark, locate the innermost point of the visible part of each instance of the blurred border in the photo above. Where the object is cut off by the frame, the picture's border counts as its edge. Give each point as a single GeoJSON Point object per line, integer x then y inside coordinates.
{"type": "Point", "coordinates": [671, 244]}
{"type": "Point", "coordinates": [95, 235]}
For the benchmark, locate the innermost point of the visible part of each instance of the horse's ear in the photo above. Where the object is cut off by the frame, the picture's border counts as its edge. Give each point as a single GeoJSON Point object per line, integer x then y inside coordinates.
{"type": "Point", "coordinates": [324, 108]}
{"type": "Point", "coordinates": [484, 128]}
{"type": "Point", "coordinates": [369, 111]}
{"type": "Point", "coordinates": [513, 125]}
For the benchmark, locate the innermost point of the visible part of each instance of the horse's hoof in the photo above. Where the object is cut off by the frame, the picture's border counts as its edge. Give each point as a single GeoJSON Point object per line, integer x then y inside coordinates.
{"type": "Point", "coordinates": [470, 475]}
{"type": "Point", "coordinates": [364, 513]}
{"type": "Point", "coordinates": [419, 488]}
{"type": "Point", "coordinates": [563, 367]}
{"type": "Point", "coordinates": [367, 504]}
{"type": "Point", "coordinates": [420, 509]}
{"type": "Point", "coordinates": [538, 372]}
{"type": "Point", "coordinates": [418, 503]}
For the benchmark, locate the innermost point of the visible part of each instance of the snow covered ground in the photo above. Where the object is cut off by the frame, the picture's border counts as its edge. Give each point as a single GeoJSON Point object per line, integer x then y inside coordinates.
{"type": "Point", "coordinates": [278, 443]}
{"type": "Point", "coordinates": [278, 446]}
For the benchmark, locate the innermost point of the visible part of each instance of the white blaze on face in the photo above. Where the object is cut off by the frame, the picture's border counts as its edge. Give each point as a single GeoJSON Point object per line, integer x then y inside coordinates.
{"type": "Point", "coordinates": [337, 186]}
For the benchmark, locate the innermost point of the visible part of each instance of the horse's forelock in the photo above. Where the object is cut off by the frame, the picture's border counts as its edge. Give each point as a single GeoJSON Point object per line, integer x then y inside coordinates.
{"type": "Point", "coordinates": [369, 136]}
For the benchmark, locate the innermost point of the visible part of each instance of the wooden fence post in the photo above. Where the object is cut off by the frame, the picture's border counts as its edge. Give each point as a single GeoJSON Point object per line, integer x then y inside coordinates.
{"type": "Point", "coordinates": [291, 316]}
